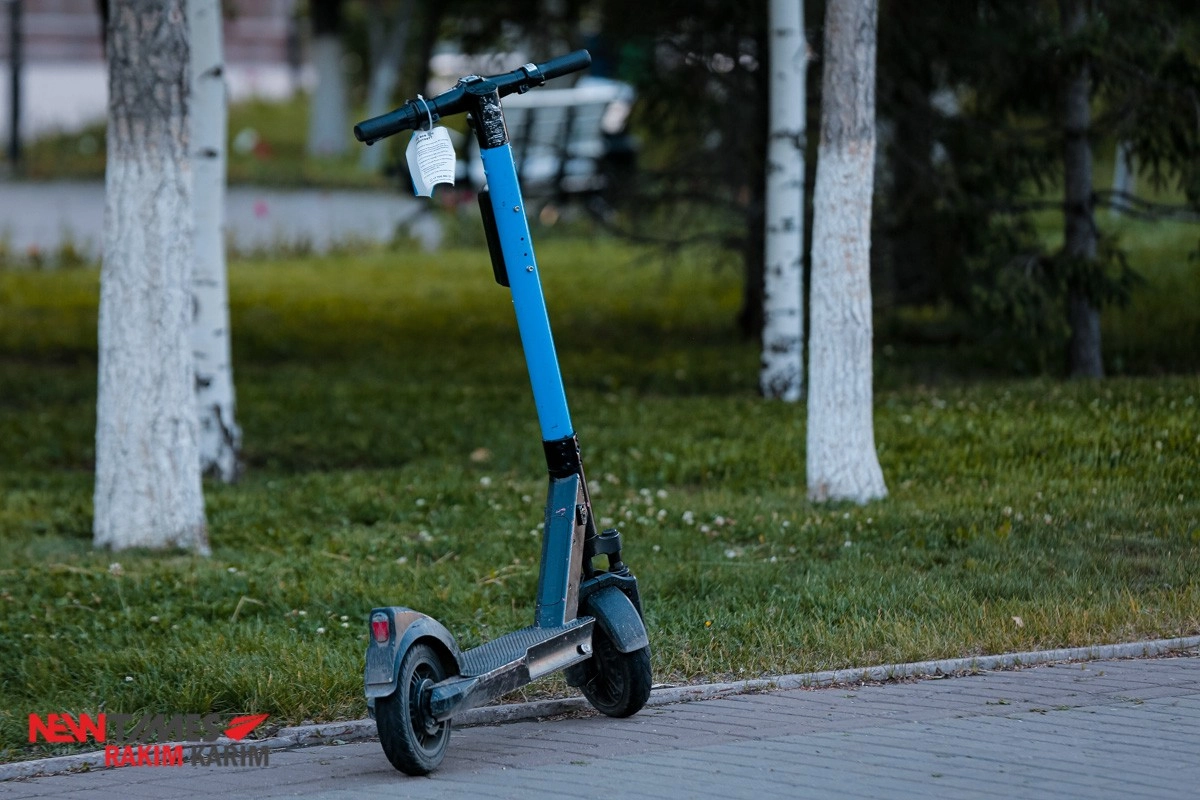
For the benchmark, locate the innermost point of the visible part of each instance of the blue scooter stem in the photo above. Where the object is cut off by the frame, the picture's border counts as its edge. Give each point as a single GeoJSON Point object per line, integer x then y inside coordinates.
{"type": "Point", "coordinates": [533, 321]}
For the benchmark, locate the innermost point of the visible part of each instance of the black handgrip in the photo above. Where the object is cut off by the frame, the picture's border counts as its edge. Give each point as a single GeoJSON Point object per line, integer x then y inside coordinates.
{"type": "Point", "coordinates": [565, 65]}
{"type": "Point", "coordinates": [376, 128]}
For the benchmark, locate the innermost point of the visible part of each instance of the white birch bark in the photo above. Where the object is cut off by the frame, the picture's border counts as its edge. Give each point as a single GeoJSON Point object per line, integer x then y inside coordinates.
{"type": "Point", "coordinates": [782, 374]}
{"type": "Point", "coordinates": [329, 125]}
{"type": "Point", "coordinates": [1124, 177]}
{"type": "Point", "coordinates": [387, 58]}
{"type": "Point", "coordinates": [148, 491]}
{"type": "Point", "coordinates": [219, 435]}
{"type": "Point", "coordinates": [841, 460]}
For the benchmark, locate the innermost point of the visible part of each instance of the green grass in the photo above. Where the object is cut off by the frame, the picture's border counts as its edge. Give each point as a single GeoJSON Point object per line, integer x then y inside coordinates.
{"type": "Point", "coordinates": [1158, 331]}
{"type": "Point", "coordinates": [393, 457]}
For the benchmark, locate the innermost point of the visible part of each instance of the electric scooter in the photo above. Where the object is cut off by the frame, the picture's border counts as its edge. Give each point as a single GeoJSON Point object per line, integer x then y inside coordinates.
{"type": "Point", "coordinates": [588, 620]}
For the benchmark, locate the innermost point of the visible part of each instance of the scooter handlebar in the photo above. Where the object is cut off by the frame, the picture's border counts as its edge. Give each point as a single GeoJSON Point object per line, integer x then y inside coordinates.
{"type": "Point", "coordinates": [565, 65]}
{"type": "Point", "coordinates": [376, 128]}
{"type": "Point", "coordinates": [416, 113]}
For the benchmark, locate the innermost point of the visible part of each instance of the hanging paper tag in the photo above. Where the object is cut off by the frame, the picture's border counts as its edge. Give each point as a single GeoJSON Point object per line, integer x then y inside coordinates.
{"type": "Point", "coordinates": [430, 156]}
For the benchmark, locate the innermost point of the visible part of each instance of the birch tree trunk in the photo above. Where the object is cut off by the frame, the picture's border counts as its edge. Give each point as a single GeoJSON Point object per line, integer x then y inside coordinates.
{"type": "Point", "coordinates": [782, 374]}
{"type": "Point", "coordinates": [387, 59]}
{"type": "Point", "coordinates": [148, 491]}
{"type": "Point", "coordinates": [220, 437]}
{"type": "Point", "coordinates": [1124, 177]}
{"type": "Point", "coordinates": [329, 116]}
{"type": "Point", "coordinates": [1079, 235]}
{"type": "Point", "coordinates": [841, 460]}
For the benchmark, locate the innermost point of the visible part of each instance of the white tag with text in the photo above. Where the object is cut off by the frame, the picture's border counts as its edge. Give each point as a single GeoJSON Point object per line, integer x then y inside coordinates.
{"type": "Point", "coordinates": [430, 156]}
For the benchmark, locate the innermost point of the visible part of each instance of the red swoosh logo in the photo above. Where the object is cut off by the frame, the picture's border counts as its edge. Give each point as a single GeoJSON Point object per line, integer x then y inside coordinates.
{"type": "Point", "coordinates": [240, 726]}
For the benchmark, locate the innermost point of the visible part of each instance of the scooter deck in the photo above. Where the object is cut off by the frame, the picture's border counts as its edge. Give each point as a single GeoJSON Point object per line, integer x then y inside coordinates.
{"type": "Point", "coordinates": [511, 661]}
{"type": "Point", "coordinates": [528, 644]}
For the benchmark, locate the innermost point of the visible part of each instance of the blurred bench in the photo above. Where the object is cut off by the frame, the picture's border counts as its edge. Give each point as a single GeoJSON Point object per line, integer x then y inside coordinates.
{"type": "Point", "coordinates": [560, 137]}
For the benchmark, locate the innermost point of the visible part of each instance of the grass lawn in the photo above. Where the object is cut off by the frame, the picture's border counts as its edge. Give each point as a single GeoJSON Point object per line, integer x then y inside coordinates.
{"type": "Point", "coordinates": [393, 457]}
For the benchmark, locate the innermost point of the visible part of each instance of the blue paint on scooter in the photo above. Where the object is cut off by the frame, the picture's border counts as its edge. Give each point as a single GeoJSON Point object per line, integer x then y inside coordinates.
{"type": "Point", "coordinates": [533, 322]}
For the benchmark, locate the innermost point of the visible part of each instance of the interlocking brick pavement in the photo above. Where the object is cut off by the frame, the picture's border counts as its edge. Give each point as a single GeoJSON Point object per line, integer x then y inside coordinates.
{"type": "Point", "coordinates": [1127, 729]}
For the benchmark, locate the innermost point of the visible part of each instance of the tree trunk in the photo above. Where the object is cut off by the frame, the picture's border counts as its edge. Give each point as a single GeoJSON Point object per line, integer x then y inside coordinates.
{"type": "Point", "coordinates": [782, 374]}
{"type": "Point", "coordinates": [750, 315]}
{"type": "Point", "coordinates": [742, 169]}
{"type": "Point", "coordinates": [905, 250]}
{"type": "Point", "coordinates": [432, 15]}
{"type": "Point", "coordinates": [387, 59]}
{"type": "Point", "coordinates": [1079, 237]}
{"type": "Point", "coordinates": [1124, 177]}
{"type": "Point", "coordinates": [841, 460]}
{"type": "Point", "coordinates": [220, 436]}
{"type": "Point", "coordinates": [148, 491]}
{"type": "Point", "coordinates": [329, 115]}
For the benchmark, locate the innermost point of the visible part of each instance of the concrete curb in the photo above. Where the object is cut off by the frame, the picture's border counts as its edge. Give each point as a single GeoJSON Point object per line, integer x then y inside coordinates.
{"type": "Point", "coordinates": [342, 732]}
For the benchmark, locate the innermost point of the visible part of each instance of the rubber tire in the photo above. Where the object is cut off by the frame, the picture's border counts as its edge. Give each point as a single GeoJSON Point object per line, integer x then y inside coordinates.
{"type": "Point", "coordinates": [617, 684]}
{"type": "Point", "coordinates": [407, 744]}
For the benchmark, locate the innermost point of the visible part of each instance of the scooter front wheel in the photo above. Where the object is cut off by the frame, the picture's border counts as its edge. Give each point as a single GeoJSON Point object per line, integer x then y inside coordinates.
{"type": "Point", "coordinates": [412, 739]}
{"type": "Point", "coordinates": [617, 684]}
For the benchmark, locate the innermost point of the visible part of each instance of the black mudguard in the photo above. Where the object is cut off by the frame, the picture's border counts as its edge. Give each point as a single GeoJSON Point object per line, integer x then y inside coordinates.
{"type": "Point", "coordinates": [406, 628]}
{"type": "Point", "coordinates": [619, 619]}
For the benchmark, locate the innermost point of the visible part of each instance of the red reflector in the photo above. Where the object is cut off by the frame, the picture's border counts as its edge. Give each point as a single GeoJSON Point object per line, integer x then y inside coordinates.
{"type": "Point", "coordinates": [379, 627]}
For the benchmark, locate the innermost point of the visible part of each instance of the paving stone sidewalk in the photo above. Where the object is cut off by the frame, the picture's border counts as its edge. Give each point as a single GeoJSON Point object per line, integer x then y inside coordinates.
{"type": "Point", "coordinates": [1117, 728]}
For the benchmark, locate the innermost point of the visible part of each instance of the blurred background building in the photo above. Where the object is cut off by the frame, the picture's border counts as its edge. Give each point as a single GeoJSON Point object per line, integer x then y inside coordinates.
{"type": "Point", "coordinates": [63, 75]}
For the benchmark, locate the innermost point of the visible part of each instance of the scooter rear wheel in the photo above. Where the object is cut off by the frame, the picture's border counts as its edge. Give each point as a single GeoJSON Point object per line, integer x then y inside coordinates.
{"type": "Point", "coordinates": [617, 684]}
{"type": "Point", "coordinates": [413, 740]}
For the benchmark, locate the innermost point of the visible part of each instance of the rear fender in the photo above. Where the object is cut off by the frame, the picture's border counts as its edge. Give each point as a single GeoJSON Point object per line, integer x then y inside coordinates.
{"type": "Point", "coordinates": [405, 628]}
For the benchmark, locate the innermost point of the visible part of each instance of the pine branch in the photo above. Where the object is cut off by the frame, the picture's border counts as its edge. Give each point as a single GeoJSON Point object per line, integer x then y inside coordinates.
{"type": "Point", "coordinates": [1146, 209]}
